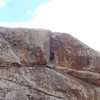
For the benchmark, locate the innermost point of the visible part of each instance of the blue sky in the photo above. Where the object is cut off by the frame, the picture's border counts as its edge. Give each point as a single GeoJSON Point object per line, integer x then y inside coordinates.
{"type": "Point", "coordinates": [80, 18]}
{"type": "Point", "coordinates": [16, 10]}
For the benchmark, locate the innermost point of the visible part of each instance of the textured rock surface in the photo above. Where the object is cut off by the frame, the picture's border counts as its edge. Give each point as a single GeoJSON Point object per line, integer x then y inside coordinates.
{"type": "Point", "coordinates": [41, 65]}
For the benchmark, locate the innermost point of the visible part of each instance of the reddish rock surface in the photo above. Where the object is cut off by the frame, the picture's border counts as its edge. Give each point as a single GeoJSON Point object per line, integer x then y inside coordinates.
{"type": "Point", "coordinates": [38, 64]}
{"type": "Point", "coordinates": [72, 53]}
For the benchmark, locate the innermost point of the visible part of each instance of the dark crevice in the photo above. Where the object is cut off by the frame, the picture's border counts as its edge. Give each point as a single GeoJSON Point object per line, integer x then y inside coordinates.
{"type": "Point", "coordinates": [52, 56]}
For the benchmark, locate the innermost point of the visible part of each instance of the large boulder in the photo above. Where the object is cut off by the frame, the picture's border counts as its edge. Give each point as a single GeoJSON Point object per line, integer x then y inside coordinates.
{"type": "Point", "coordinates": [23, 46]}
{"type": "Point", "coordinates": [37, 64]}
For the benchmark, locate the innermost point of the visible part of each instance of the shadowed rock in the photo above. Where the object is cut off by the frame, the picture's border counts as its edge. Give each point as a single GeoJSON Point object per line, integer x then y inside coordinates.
{"type": "Point", "coordinates": [37, 64]}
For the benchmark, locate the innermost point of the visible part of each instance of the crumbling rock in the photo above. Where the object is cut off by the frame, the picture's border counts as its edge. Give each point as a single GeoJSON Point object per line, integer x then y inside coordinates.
{"type": "Point", "coordinates": [38, 64]}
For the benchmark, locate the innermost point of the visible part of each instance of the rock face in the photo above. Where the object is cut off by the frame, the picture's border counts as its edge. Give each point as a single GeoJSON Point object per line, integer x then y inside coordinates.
{"type": "Point", "coordinates": [41, 65]}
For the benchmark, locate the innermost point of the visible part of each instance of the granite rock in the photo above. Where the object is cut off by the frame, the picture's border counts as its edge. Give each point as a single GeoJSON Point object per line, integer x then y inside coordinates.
{"type": "Point", "coordinates": [37, 64]}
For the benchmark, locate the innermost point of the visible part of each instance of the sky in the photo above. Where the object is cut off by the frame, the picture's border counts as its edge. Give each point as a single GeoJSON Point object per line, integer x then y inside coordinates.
{"type": "Point", "coordinates": [80, 18]}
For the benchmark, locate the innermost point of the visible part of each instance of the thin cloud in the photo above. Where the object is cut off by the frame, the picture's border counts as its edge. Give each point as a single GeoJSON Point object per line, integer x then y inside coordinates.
{"type": "Point", "coordinates": [29, 11]}
{"type": "Point", "coordinates": [2, 3]}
